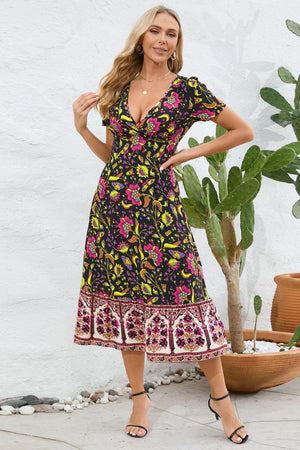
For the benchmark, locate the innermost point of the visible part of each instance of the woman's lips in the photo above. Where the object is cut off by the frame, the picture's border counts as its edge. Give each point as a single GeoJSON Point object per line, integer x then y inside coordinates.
{"type": "Point", "coordinates": [160, 51]}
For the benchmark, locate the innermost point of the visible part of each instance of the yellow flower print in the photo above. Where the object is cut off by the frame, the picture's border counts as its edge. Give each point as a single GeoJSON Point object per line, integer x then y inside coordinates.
{"type": "Point", "coordinates": [118, 269]}
{"type": "Point", "coordinates": [146, 288]}
{"type": "Point", "coordinates": [167, 218]}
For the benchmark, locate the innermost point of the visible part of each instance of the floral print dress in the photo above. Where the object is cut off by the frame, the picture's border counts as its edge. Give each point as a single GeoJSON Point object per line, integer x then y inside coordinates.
{"type": "Point", "coordinates": [142, 285]}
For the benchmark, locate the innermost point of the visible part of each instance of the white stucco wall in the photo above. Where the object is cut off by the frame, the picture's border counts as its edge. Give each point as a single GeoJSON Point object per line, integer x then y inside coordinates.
{"type": "Point", "coordinates": [53, 51]}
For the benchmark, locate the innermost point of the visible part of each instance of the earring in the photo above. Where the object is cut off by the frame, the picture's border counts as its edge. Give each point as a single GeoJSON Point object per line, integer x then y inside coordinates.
{"type": "Point", "coordinates": [139, 49]}
{"type": "Point", "coordinates": [173, 56]}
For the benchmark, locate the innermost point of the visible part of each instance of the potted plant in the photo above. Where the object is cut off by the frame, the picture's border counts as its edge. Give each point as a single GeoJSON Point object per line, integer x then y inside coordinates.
{"type": "Point", "coordinates": [213, 205]}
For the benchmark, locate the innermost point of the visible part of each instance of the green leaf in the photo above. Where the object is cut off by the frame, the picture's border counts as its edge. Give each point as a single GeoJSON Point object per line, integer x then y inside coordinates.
{"type": "Point", "coordinates": [294, 27]}
{"type": "Point", "coordinates": [247, 225]}
{"type": "Point", "coordinates": [296, 209]}
{"type": "Point", "coordinates": [220, 130]}
{"type": "Point", "coordinates": [221, 156]}
{"type": "Point", "coordinates": [240, 195]}
{"type": "Point", "coordinates": [195, 218]}
{"type": "Point", "coordinates": [279, 159]}
{"type": "Point", "coordinates": [222, 182]}
{"type": "Point", "coordinates": [213, 160]}
{"type": "Point", "coordinates": [286, 76]}
{"type": "Point", "coordinates": [257, 304]}
{"type": "Point", "coordinates": [296, 129]}
{"type": "Point", "coordinates": [277, 119]}
{"type": "Point", "coordinates": [213, 196]}
{"type": "Point", "coordinates": [242, 262]}
{"type": "Point", "coordinates": [275, 99]}
{"type": "Point", "coordinates": [279, 175]}
{"type": "Point", "coordinates": [295, 337]}
{"type": "Point", "coordinates": [235, 178]}
{"type": "Point", "coordinates": [213, 173]}
{"type": "Point", "coordinates": [256, 167]}
{"type": "Point", "coordinates": [192, 142]}
{"type": "Point", "coordinates": [297, 94]}
{"type": "Point", "coordinates": [295, 164]}
{"type": "Point", "coordinates": [193, 188]}
{"type": "Point", "coordinates": [250, 156]}
{"type": "Point", "coordinates": [297, 184]}
{"type": "Point", "coordinates": [258, 177]}
{"type": "Point", "coordinates": [215, 237]}
{"type": "Point", "coordinates": [208, 139]}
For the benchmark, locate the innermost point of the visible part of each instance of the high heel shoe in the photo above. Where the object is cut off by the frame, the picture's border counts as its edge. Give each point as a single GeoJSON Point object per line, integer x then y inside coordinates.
{"type": "Point", "coordinates": [218, 417]}
{"type": "Point", "coordinates": [139, 426]}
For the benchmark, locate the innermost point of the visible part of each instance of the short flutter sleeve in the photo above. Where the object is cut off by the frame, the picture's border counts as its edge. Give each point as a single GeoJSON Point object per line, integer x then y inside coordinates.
{"type": "Point", "coordinates": [203, 105]}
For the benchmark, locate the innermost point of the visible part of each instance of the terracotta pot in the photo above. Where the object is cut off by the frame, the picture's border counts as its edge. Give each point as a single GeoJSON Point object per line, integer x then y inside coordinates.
{"type": "Point", "coordinates": [253, 372]}
{"type": "Point", "coordinates": [285, 314]}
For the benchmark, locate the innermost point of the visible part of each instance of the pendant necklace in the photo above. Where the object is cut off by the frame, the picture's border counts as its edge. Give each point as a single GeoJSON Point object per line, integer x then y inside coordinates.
{"type": "Point", "coordinates": [145, 92]}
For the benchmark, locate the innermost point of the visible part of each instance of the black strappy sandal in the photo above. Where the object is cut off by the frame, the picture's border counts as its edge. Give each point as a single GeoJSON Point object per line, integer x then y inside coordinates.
{"type": "Point", "coordinates": [139, 426]}
{"type": "Point", "coordinates": [218, 417]}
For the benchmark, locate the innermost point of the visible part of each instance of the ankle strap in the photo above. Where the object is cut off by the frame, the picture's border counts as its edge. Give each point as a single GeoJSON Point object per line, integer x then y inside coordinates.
{"type": "Point", "coordinates": [220, 398]}
{"type": "Point", "coordinates": [138, 393]}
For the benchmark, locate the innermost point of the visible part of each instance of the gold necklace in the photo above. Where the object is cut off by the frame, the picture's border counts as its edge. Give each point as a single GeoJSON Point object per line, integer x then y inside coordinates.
{"type": "Point", "coordinates": [145, 92]}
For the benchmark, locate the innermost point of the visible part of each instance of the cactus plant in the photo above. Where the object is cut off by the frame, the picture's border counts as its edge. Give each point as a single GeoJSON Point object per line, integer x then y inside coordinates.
{"type": "Point", "coordinates": [288, 115]}
{"type": "Point", "coordinates": [216, 209]}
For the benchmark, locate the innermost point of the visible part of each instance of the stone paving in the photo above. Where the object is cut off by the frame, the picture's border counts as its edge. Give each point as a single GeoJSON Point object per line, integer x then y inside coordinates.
{"type": "Point", "coordinates": [179, 420]}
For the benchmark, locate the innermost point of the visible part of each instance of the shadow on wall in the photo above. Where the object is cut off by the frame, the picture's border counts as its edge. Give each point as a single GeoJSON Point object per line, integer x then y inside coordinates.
{"type": "Point", "coordinates": [229, 47]}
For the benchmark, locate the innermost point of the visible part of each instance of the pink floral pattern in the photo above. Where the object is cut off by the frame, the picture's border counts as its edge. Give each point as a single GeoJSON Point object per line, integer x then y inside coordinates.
{"type": "Point", "coordinates": [142, 283]}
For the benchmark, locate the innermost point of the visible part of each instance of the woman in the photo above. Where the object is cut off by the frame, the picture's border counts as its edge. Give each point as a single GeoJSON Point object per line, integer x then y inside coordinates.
{"type": "Point", "coordinates": [143, 289]}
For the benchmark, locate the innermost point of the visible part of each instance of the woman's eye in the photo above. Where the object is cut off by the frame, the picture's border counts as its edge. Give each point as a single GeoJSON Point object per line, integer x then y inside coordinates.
{"type": "Point", "coordinates": [153, 31]}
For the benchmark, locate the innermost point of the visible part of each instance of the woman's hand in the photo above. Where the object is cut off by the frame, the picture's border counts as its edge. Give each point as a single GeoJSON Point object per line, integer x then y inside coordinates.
{"type": "Point", "coordinates": [178, 158]}
{"type": "Point", "coordinates": [81, 108]}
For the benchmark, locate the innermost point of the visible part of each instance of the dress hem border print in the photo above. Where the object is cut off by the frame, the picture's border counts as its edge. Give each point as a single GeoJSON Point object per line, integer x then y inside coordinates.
{"type": "Point", "coordinates": [166, 333]}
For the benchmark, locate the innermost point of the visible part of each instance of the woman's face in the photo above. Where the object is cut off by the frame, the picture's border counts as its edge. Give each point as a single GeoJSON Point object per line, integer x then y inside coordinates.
{"type": "Point", "coordinates": [160, 40]}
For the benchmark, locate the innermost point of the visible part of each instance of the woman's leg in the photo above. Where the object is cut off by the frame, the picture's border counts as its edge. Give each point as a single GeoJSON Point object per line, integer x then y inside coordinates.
{"type": "Point", "coordinates": [134, 362]}
{"type": "Point", "coordinates": [213, 371]}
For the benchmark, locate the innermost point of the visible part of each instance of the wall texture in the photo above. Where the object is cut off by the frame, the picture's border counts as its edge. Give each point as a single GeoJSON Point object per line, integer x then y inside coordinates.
{"type": "Point", "coordinates": [53, 51]}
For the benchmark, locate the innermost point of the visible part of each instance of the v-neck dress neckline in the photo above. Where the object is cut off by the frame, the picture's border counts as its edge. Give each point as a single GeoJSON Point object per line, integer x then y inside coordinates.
{"type": "Point", "coordinates": [152, 108]}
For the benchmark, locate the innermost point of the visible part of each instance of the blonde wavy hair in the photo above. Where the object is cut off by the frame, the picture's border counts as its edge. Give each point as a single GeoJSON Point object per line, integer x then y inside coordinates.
{"type": "Point", "coordinates": [128, 62]}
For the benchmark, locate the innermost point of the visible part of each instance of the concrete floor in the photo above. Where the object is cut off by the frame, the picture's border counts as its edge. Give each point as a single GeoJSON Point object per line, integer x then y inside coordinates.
{"type": "Point", "coordinates": [179, 419]}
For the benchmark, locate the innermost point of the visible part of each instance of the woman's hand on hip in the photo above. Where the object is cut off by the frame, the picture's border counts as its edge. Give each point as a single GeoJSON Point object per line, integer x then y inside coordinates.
{"type": "Point", "coordinates": [176, 159]}
{"type": "Point", "coordinates": [81, 108]}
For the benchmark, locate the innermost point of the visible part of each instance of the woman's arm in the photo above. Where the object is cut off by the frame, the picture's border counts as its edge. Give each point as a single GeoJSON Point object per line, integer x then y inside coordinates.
{"type": "Point", "coordinates": [101, 149]}
{"type": "Point", "coordinates": [81, 108]}
{"type": "Point", "coordinates": [238, 132]}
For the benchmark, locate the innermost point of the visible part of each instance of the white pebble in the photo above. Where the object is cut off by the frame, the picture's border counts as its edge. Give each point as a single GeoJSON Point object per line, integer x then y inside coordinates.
{"type": "Point", "coordinates": [166, 381]}
{"type": "Point", "coordinates": [113, 398]}
{"type": "Point", "coordinates": [75, 402]}
{"type": "Point", "coordinates": [69, 399]}
{"type": "Point", "coordinates": [85, 404]}
{"type": "Point", "coordinates": [150, 390]}
{"type": "Point", "coordinates": [127, 389]}
{"type": "Point", "coordinates": [104, 400]}
{"type": "Point", "coordinates": [68, 408]}
{"type": "Point", "coordinates": [79, 406]}
{"type": "Point", "coordinates": [27, 409]}
{"type": "Point", "coordinates": [171, 377]}
{"type": "Point", "coordinates": [79, 398]}
{"type": "Point", "coordinates": [197, 376]}
{"type": "Point", "coordinates": [59, 406]}
{"type": "Point", "coordinates": [184, 375]}
{"type": "Point", "coordinates": [8, 408]}
{"type": "Point", "coordinates": [5, 412]}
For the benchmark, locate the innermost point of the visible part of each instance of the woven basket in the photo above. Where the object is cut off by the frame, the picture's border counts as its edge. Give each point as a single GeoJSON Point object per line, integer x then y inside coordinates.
{"type": "Point", "coordinates": [285, 313]}
{"type": "Point", "coordinates": [253, 372]}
